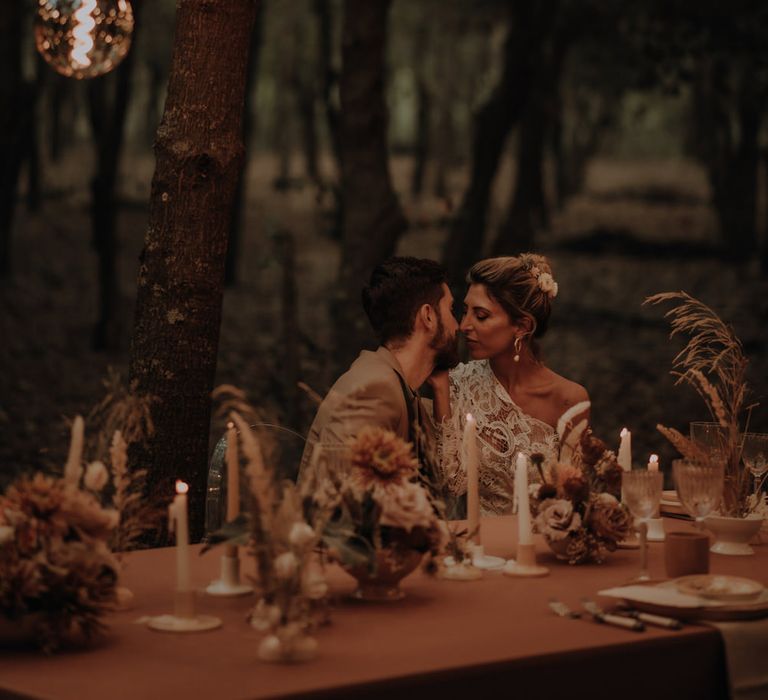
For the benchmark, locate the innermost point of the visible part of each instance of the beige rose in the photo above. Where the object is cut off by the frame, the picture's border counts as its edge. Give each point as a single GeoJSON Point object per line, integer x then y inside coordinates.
{"type": "Point", "coordinates": [557, 519]}
{"type": "Point", "coordinates": [285, 565]}
{"type": "Point", "coordinates": [7, 534]}
{"type": "Point", "coordinates": [608, 519]}
{"type": "Point", "coordinates": [406, 506]}
{"type": "Point", "coordinates": [301, 535]}
{"type": "Point", "coordinates": [96, 476]}
{"type": "Point", "coordinates": [264, 616]}
{"type": "Point", "coordinates": [313, 584]}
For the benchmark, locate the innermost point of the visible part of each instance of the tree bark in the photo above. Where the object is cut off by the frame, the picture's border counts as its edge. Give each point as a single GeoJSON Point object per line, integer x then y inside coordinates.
{"type": "Point", "coordinates": [15, 98]}
{"type": "Point", "coordinates": [423, 112]}
{"type": "Point", "coordinates": [372, 218]}
{"type": "Point", "coordinates": [199, 151]}
{"type": "Point", "coordinates": [529, 211]}
{"type": "Point", "coordinates": [731, 157]}
{"type": "Point", "coordinates": [107, 121]}
{"type": "Point", "coordinates": [492, 125]}
{"type": "Point", "coordinates": [329, 76]}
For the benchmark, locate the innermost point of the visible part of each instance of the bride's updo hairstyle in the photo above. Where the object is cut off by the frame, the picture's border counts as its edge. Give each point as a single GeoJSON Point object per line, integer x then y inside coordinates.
{"type": "Point", "coordinates": [523, 285]}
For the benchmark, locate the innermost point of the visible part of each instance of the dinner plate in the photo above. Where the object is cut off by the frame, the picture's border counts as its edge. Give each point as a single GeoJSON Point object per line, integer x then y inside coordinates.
{"type": "Point", "coordinates": [666, 599]}
{"type": "Point", "coordinates": [719, 587]}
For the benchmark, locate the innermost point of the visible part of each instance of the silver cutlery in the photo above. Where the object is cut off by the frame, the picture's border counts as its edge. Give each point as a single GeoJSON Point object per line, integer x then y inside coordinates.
{"type": "Point", "coordinates": [669, 623]}
{"type": "Point", "coordinates": [561, 609]}
{"type": "Point", "coordinates": [628, 623]}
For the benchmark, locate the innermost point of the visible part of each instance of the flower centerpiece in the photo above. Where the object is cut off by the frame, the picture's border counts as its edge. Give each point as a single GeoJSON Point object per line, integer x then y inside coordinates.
{"type": "Point", "coordinates": [58, 574]}
{"type": "Point", "coordinates": [576, 507]}
{"type": "Point", "coordinates": [380, 519]}
{"type": "Point", "coordinates": [290, 582]}
{"type": "Point", "coordinates": [714, 364]}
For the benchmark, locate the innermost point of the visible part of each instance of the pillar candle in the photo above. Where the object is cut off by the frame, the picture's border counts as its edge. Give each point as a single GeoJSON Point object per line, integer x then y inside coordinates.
{"type": "Point", "coordinates": [524, 530]}
{"type": "Point", "coordinates": [178, 522]}
{"type": "Point", "coordinates": [473, 487]}
{"type": "Point", "coordinates": [625, 450]}
{"type": "Point", "coordinates": [73, 468]}
{"type": "Point", "coordinates": [653, 463]}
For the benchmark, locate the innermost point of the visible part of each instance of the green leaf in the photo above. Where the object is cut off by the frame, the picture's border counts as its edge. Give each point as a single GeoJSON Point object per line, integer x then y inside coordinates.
{"type": "Point", "coordinates": [236, 531]}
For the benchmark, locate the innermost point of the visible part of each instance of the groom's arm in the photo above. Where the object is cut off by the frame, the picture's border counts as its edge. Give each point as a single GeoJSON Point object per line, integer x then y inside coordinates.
{"type": "Point", "coordinates": [379, 403]}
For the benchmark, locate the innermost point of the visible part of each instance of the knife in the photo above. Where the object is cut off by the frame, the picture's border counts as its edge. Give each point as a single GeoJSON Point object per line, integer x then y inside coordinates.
{"type": "Point", "coordinates": [628, 623]}
{"type": "Point", "coordinates": [669, 623]}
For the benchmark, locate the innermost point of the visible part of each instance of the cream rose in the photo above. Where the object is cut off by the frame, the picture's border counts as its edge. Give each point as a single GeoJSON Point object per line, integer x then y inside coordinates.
{"type": "Point", "coordinates": [547, 284]}
{"type": "Point", "coordinates": [406, 506]}
{"type": "Point", "coordinates": [96, 476]}
{"type": "Point", "coordinates": [285, 565]}
{"type": "Point", "coordinates": [7, 533]}
{"type": "Point", "coordinates": [556, 519]}
{"type": "Point", "coordinates": [301, 535]}
{"type": "Point", "coordinates": [313, 584]}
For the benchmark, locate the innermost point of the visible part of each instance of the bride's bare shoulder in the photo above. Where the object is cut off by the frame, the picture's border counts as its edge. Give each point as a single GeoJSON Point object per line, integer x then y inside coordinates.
{"type": "Point", "coordinates": [568, 393]}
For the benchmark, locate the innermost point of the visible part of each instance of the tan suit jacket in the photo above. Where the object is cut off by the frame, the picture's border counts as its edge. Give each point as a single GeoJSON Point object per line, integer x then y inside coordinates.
{"type": "Point", "coordinates": [370, 392]}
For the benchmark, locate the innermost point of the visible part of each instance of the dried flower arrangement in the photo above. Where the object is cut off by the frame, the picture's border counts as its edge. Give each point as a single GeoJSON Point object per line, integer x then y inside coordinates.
{"type": "Point", "coordinates": [61, 537]}
{"type": "Point", "coordinates": [290, 581]}
{"type": "Point", "coordinates": [379, 507]}
{"type": "Point", "coordinates": [576, 507]}
{"type": "Point", "coordinates": [57, 572]}
{"type": "Point", "coordinates": [713, 363]}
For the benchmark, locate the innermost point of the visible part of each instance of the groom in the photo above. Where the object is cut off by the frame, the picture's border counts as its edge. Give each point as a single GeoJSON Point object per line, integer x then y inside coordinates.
{"type": "Point", "coordinates": [408, 304]}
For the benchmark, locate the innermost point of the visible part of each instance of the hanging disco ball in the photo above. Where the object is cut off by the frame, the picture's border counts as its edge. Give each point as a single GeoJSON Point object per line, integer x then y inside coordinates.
{"type": "Point", "coordinates": [83, 38]}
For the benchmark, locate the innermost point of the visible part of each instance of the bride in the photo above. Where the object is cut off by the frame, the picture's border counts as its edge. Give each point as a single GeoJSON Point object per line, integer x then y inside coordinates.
{"type": "Point", "coordinates": [514, 397]}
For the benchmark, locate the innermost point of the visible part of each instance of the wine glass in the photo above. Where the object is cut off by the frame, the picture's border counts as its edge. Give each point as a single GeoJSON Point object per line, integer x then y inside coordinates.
{"type": "Point", "coordinates": [641, 493]}
{"type": "Point", "coordinates": [755, 455]}
{"type": "Point", "coordinates": [699, 487]}
{"type": "Point", "coordinates": [711, 438]}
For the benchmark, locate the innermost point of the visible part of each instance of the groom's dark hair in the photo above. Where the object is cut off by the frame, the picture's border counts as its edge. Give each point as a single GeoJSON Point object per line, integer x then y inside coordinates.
{"type": "Point", "coordinates": [397, 289]}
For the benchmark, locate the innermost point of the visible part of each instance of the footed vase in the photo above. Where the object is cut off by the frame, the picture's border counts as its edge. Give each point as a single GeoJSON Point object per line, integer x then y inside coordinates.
{"type": "Point", "coordinates": [382, 584]}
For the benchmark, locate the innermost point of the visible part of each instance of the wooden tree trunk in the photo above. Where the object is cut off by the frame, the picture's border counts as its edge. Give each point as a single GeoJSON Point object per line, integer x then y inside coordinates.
{"type": "Point", "coordinates": [528, 211]}
{"type": "Point", "coordinates": [372, 218]}
{"type": "Point", "coordinates": [492, 125]}
{"type": "Point", "coordinates": [737, 196]}
{"type": "Point", "coordinates": [199, 150]}
{"type": "Point", "coordinates": [423, 113]}
{"type": "Point", "coordinates": [14, 117]}
{"type": "Point", "coordinates": [328, 74]}
{"type": "Point", "coordinates": [107, 120]}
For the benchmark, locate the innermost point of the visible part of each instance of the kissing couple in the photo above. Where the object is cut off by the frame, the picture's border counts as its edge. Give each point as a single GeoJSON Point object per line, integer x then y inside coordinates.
{"type": "Point", "coordinates": [512, 394]}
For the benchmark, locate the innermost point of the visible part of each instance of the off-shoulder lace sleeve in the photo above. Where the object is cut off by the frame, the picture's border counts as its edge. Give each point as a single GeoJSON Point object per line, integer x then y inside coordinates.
{"type": "Point", "coordinates": [450, 465]}
{"type": "Point", "coordinates": [503, 430]}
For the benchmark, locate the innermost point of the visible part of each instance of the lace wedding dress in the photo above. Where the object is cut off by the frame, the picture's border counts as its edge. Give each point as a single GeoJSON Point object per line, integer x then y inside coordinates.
{"type": "Point", "coordinates": [503, 431]}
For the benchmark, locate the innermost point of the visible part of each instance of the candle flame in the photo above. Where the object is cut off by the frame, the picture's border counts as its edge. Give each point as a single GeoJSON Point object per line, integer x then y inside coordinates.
{"type": "Point", "coordinates": [82, 33]}
{"type": "Point", "coordinates": [624, 432]}
{"type": "Point", "coordinates": [470, 417]}
{"type": "Point", "coordinates": [181, 486]}
{"type": "Point", "coordinates": [654, 458]}
{"type": "Point", "coordinates": [230, 425]}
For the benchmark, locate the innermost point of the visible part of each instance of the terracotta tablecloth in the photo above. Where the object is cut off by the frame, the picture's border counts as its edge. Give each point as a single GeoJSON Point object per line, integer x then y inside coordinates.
{"type": "Point", "coordinates": [496, 635]}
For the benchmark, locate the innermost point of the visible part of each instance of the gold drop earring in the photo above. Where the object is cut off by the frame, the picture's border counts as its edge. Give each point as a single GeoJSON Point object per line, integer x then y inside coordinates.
{"type": "Point", "coordinates": [518, 347]}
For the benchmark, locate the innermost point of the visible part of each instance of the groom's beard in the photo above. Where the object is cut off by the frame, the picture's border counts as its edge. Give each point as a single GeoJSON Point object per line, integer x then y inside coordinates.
{"type": "Point", "coordinates": [446, 347]}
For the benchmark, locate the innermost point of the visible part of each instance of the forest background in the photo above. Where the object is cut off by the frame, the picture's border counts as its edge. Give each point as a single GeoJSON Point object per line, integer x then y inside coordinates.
{"type": "Point", "coordinates": [626, 141]}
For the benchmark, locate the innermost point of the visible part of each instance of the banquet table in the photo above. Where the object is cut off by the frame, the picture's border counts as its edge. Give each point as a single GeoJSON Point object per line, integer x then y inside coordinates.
{"type": "Point", "coordinates": [449, 639]}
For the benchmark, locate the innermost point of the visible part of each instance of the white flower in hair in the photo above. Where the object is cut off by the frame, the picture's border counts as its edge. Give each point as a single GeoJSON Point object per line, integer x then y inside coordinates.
{"type": "Point", "coordinates": [547, 284]}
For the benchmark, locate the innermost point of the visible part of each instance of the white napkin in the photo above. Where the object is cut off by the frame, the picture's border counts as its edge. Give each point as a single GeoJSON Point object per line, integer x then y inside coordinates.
{"type": "Point", "coordinates": [746, 651]}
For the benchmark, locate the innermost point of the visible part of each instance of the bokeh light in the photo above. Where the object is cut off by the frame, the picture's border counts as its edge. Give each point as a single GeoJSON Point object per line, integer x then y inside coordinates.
{"type": "Point", "coordinates": [83, 38]}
